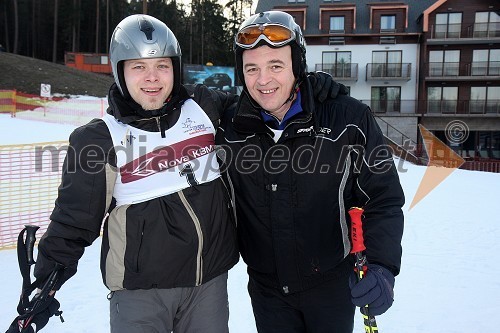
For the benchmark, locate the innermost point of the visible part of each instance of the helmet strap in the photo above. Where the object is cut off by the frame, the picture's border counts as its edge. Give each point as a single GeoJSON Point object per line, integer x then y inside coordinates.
{"type": "Point", "coordinates": [294, 90]}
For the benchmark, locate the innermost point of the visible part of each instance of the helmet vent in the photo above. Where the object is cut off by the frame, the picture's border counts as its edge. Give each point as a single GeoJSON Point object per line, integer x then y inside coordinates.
{"type": "Point", "coordinates": [146, 27]}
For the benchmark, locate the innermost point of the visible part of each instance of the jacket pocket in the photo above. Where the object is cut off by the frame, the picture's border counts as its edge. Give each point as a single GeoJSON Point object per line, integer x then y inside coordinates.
{"type": "Point", "coordinates": [135, 237]}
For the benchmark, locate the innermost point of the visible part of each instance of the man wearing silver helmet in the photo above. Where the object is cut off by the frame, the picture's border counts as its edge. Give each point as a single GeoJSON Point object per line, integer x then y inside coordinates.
{"type": "Point", "coordinates": [149, 169]}
{"type": "Point", "coordinates": [297, 165]}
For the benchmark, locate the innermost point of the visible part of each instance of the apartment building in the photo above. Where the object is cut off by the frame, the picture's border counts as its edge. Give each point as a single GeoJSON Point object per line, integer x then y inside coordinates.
{"type": "Point", "coordinates": [429, 62]}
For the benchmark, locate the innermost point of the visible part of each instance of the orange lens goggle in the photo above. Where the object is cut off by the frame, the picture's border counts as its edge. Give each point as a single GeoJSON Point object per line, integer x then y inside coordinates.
{"type": "Point", "coordinates": [274, 34]}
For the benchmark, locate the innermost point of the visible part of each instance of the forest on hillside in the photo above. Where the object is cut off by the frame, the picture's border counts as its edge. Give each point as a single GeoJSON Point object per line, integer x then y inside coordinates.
{"type": "Point", "coordinates": [46, 29]}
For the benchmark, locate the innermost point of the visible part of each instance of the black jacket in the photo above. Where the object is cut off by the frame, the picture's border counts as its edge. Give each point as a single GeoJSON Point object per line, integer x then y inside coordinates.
{"type": "Point", "coordinates": [165, 236]}
{"type": "Point", "coordinates": [292, 196]}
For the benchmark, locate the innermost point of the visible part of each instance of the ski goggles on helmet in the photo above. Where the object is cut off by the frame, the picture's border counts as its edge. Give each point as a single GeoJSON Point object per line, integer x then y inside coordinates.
{"type": "Point", "coordinates": [273, 34]}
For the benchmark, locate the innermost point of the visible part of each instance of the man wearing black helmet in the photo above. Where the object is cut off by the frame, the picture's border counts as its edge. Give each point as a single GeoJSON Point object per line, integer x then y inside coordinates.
{"type": "Point", "coordinates": [297, 165]}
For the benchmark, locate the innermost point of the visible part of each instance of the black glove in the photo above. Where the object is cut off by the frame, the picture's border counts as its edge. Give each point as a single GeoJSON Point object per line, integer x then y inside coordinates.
{"type": "Point", "coordinates": [40, 319]}
{"type": "Point", "coordinates": [375, 289]}
{"type": "Point", "coordinates": [324, 86]}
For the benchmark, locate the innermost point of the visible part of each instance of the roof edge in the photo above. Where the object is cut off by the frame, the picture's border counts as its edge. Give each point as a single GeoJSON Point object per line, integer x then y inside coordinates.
{"type": "Point", "coordinates": [430, 10]}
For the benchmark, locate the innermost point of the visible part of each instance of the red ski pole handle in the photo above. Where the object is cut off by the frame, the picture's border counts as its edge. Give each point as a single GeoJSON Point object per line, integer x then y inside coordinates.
{"type": "Point", "coordinates": [358, 244]}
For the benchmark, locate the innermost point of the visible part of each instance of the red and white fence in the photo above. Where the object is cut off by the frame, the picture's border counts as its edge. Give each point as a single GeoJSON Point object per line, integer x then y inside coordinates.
{"type": "Point", "coordinates": [29, 177]}
{"type": "Point", "coordinates": [30, 173]}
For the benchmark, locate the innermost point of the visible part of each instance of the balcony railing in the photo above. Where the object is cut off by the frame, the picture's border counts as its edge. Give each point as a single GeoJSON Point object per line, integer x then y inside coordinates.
{"type": "Point", "coordinates": [385, 71]}
{"type": "Point", "coordinates": [482, 30]}
{"type": "Point", "coordinates": [340, 71]}
{"type": "Point", "coordinates": [392, 106]}
{"type": "Point", "coordinates": [387, 31]}
{"type": "Point", "coordinates": [465, 30]}
{"type": "Point", "coordinates": [447, 69]}
{"type": "Point", "coordinates": [443, 31]}
{"type": "Point", "coordinates": [441, 107]}
{"type": "Point", "coordinates": [484, 106]}
{"type": "Point", "coordinates": [484, 68]}
{"type": "Point", "coordinates": [491, 107]}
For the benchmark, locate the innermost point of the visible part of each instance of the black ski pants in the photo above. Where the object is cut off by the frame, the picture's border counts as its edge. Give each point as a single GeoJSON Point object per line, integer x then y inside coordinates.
{"type": "Point", "coordinates": [326, 308]}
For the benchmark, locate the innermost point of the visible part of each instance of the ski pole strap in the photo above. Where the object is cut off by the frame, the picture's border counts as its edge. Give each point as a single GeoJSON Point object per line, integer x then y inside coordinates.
{"type": "Point", "coordinates": [25, 246]}
{"type": "Point", "coordinates": [29, 309]}
{"type": "Point", "coordinates": [25, 260]}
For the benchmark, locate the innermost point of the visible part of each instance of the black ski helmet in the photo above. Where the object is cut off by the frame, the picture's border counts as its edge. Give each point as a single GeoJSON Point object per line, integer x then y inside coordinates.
{"type": "Point", "coordinates": [261, 21]}
{"type": "Point", "coordinates": [139, 37]}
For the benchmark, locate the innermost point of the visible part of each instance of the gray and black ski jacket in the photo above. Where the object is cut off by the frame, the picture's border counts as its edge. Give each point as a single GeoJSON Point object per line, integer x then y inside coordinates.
{"type": "Point", "coordinates": [178, 240]}
{"type": "Point", "coordinates": [292, 196]}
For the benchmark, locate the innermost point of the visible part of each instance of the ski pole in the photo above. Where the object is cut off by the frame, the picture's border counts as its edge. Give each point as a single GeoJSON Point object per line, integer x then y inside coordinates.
{"type": "Point", "coordinates": [29, 309]}
{"type": "Point", "coordinates": [358, 247]}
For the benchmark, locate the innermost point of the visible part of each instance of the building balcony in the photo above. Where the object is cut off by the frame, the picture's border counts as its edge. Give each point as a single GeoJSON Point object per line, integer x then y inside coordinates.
{"type": "Point", "coordinates": [473, 108]}
{"type": "Point", "coordinates": [468, 107]}
{"type": "Point", "coordinates": [488, 30]}
{"type": "Point", "coordinates": [461, 33]}
{"type": "Point", "coordinates": [385, 71]}
{"type": "Point", "coordinates": [459, 71]}
{"type": "Point", "coordinates": [392, 106]}
{"type": "Point", "coordinates": [340, 71]}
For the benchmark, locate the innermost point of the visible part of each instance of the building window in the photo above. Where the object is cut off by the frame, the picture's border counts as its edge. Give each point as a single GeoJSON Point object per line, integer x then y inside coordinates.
{"type": "Point", "coordinates": [485, 62]}
{"type": "Point", "coordinates": [386, 63]}
{"type": "Point", "coordinates": [444, 63]}
{"type": "Point", "coordinates": [487, 24]}
{"type": "Point", "coordinates": [337, 64]}
{"type": "Point", "coordinates": [388, 23]}
{"type": "Point", "coordinates": [448, 25]}
{"type": "Point", "coordinates": [295, 1]}
{"type": "Point", "coordinates": [442, 99]}
{"type": "Point", "coordinates": [386, 99]}
{"type": "Point", "coordinates": [337, 24]}
{"type": "Point", "coordinates": [489, 144]}
{"type": "Point", "coordinates": [484, 100]}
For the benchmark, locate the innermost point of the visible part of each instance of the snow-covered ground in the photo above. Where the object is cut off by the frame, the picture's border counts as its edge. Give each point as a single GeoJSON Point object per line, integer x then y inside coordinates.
{"type": "Point", "coordinates": [449, 280]}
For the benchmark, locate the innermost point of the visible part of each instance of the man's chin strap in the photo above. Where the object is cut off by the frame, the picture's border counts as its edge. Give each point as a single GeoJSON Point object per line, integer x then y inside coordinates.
{"type": "Point", "coordinates": [294, 90]}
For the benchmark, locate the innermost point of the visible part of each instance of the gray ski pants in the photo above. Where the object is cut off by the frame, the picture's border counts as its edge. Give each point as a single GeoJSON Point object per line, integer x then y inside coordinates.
{"type": "Point", "coordinates": [180, 310]}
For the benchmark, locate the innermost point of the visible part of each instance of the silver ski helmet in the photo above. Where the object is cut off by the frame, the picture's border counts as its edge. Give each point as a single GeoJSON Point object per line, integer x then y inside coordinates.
{"type": "Point", "coordinates": [142, 36]}
{"type": "Point", "coordinates": [275, 29]}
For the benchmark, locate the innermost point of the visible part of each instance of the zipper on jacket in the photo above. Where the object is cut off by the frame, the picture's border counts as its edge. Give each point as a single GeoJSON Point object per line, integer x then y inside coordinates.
{"type": "Point", "coordinates": [158, 123]}
{"type": "Point", "coordinates": [197, 225]}
{"type": "Point", "coordinates": [232, 197]}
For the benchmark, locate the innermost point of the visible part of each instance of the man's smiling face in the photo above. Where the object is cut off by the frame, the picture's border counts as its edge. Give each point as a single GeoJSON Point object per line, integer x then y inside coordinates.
{"type": "Point", "coordinates": [269, 77]}
{"type": "Point", "coordinates": [149, 81]}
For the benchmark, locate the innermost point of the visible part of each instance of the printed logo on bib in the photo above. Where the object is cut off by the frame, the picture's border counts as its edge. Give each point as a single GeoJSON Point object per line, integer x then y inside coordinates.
{"type": "Point", "coordinates": [167, 157]}
{"type": "Point", "coordinates": [192, 128]}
